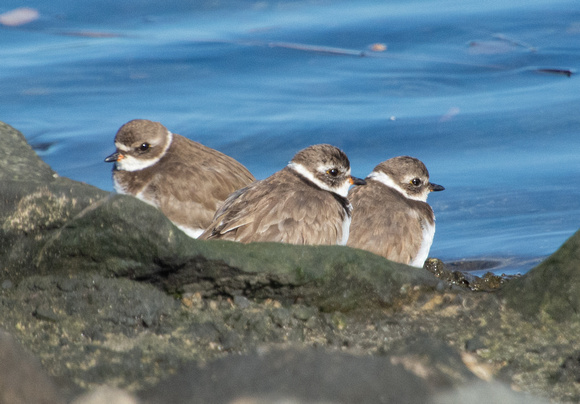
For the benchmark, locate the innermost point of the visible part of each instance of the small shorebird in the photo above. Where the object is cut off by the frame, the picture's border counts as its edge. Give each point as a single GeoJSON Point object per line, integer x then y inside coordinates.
{"type": "Point", "coordinates": [186, 180]}
{"type": "Point", "coordinates": [391, 216]}
{"type": "Point", "coordinates": [304, 203]}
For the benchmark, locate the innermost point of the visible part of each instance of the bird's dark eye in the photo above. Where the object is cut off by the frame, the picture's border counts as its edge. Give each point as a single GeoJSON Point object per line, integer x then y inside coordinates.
{"type": "Point", "coordinates": [333, 172]}
{"type": "Point", "coordinates": [144, 147]}
{"type": "Point", "coordinates": [416, 182]}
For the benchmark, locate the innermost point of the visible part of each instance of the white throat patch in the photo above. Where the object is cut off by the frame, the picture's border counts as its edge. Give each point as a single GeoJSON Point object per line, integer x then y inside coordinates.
{"type": "Point", "coordinates": [130, 163]}
{"type": "Point", "coordinates": [388, 181]}
{"type": "Point", "coordinates": [300, 169]}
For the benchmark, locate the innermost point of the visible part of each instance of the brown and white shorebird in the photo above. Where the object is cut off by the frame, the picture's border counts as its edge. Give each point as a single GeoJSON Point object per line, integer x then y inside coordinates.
{"type": "Point", "coordinates": [186, 180]}
{"type": "Point", "coordinates": [304, 203]}
{"type": "Point", "coordinates": [391, 216]}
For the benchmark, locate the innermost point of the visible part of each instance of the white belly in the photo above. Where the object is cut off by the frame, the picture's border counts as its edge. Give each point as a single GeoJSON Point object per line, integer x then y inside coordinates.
{"type": "Point", "coordinates": [423, 253]}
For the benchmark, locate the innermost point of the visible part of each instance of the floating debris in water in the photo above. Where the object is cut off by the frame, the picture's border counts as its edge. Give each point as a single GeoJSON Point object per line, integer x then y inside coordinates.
{"type": "Point", "coordinates": [19, 16]}
{"type": "Point", "coordinates": [42, 147]}
{"type": "Point", "coordinates": [378, 47]}
{"type": "Point", "coordinates": [515, 42]}
{"type": "Point", "coordinates": [564, 72]}
{"type": "Point", "coordinates": [92, 34]}
{"type": "Point", "coordinates": [489, 47]}
{"type": "Point", "coordinates": [500, 44]}
{"type": "Point", "coordinates": [450, 114]}
{"type": "Point", "coordinates": [315, 48]}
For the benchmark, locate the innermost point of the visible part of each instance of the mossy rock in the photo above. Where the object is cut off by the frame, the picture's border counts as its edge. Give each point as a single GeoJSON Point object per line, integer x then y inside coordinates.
{"type": "Point", "coordinates": [552, 288]}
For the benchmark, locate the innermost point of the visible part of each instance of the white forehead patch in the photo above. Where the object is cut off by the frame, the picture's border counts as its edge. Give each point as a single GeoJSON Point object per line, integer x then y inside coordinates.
{"type": "Point", "coordinates": [300, 169]}
{"type": "Point", "coordinates": [130, 163]}
{"type": "Point", "coordinates": [388, 181]}
{"type": "Point", "coordinates": [121, 147]}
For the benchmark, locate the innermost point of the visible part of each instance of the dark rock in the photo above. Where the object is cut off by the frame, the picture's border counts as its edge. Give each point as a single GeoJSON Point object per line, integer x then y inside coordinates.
{"type": "Point", "coordinates": [241, 302]}
{"type": "Point", "coordinates": [231, 341]}
{"type": "Point", "coordinates": [119, 302]}
{"type": "Point", "coordinates": [455, 274]}
{"type": "Point", "coordinates": [205, 331]}
{"type": "Point", "coordinates": [441, 365]}
{"type": "Point", "coordinates": [18, 161]}
{"type": "Point", "coordinates": [33, 215]}
{"type": "Point", "coordinates": [473, 344]}
{"type": "Point", "coordinates": [306, 376]}
{"type": "Point", "coordinates": [85, 330]}
{"type": "Point", "coordinates": [569, 371]}
{"type": "Point", "coordinates": [329, 277]}
{"type": "Point", "coordinates": [106, 291]}
{"type": "Point", "coordinates": [303, 313]}
{"type": "Point", "coordinates": [551, 289]}
{"type": "Point", "coordinates": [45, 313]}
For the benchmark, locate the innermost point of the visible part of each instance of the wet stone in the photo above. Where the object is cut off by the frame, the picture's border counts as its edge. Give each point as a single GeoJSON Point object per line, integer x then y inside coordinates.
{"type": "Point", "coordinates": [569, 371]}
{"type": "Point", "coordinates": [242, 302]}
{"type": "Point", "coordinates": [303, 313]}
{"type": "Point", "coordinates": [281, 317]}
{"type": "Point", "coordinates": [474, 344]}
{"type": "Point", "coordinates": [107, 292]}
{"type": "Point", "coordinates": [45, 313]}
{"type": "Point", "coordinates": [487, 283]}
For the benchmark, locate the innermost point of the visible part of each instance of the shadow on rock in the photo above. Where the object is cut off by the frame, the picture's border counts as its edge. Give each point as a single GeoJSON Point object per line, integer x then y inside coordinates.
{"type": "Point", "coordinates": [22, 380]}
{"type": "Point", "coordinates": [292, 376]}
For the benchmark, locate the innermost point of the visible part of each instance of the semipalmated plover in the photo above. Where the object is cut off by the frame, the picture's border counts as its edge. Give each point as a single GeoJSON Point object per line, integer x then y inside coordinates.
{"type": "Point", "coordinates": [304, 203]}
{"type": "Point", "coordinates": [186, 180]}
{"type": "Point", "coordinates": [391, 216]}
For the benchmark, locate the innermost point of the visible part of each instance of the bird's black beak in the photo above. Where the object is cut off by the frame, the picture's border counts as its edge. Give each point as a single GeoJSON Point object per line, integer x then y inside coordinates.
{"type": "Point", "coordinates": [357, 181]}
{"type": "Point", "coordinates": [435, 187]}
{"type": "Point", "coordinates": [113, 157]}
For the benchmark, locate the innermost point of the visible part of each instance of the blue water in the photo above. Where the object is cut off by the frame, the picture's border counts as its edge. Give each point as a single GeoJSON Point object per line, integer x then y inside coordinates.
{"type": "Point", "coordinates": [459, 86]}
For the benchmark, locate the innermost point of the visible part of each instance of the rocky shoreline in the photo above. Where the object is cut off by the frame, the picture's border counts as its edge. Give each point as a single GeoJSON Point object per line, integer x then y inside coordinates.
{"type": "Point", "coordinates": [102, 299]}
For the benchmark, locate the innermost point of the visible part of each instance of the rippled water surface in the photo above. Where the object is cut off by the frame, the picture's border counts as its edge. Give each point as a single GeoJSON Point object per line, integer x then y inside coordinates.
{"type": "Point", "coordinates": [485, 93]}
